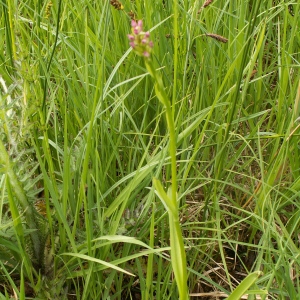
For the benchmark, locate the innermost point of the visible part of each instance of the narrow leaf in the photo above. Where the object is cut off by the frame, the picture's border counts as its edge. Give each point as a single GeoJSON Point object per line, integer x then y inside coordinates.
{"type": "Point", "coordinates": [243, 287]}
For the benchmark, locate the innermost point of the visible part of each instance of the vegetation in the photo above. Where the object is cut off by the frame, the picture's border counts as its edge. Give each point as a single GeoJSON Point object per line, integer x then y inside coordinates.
{"type": "Point", "coordinates": [121, 175]}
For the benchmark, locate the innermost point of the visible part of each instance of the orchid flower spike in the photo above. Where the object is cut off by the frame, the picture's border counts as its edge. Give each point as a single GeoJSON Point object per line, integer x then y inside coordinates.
{"type": "Point", "coordinates": [140, 40]}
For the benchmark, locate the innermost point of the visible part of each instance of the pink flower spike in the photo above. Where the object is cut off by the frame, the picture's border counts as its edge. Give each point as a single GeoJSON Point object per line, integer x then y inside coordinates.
{"type": "Point", "coordinates": [139, 40]}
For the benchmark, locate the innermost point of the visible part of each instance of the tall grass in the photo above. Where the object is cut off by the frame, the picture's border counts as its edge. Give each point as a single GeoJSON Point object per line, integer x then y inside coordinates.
{"type": "Point", "coordinates": [83, 135]}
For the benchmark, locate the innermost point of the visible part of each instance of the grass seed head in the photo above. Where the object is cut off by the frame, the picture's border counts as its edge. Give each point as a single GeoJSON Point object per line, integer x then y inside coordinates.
{"type": "Point", "coordinates": [116, 4]}
{"type": "Point", "coordinates": [217, 37]}
{"type": "Point", "coordinates": [206, 3]}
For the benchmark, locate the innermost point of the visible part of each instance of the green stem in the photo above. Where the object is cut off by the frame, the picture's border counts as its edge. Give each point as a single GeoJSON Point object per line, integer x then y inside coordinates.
{"type": "Point", "coordinates": [178, 257]}
{"type": "Point", "coordinates": [175, 26]}
{"type": "Point", "coordinates": [163, 98]}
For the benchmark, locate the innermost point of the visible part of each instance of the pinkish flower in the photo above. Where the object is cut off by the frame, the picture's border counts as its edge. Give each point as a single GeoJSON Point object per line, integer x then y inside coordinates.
{"type": "Point", "coordinates": [139, 40]}
{"type": "Point", "coordinates": [137, 26]}
{"type": "Point", "coordinates": [130, 37]}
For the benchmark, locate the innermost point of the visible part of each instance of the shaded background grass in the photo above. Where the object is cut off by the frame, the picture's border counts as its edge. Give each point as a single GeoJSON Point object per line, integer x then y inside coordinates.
{"type": "Point", "coordinates": [85, 136]}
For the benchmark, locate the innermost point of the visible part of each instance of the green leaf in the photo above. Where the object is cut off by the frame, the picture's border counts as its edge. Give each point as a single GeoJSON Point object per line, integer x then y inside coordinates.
{"type": "Point", "coordinates": [99, 261]}
{"type": "Point", "coordinates": [243, 287]}
{"type": "Point", "coordinates": [165, 199]}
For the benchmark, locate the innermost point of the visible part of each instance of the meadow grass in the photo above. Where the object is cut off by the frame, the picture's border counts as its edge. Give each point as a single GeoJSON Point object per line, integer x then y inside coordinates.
{"type": "Point", "coordinates": [83, 134]}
